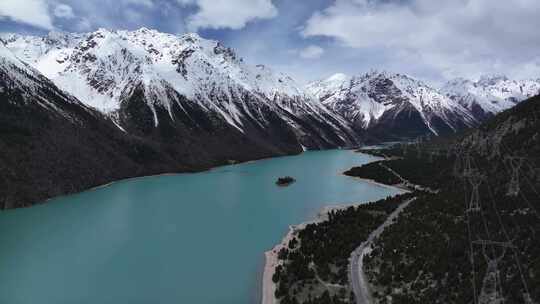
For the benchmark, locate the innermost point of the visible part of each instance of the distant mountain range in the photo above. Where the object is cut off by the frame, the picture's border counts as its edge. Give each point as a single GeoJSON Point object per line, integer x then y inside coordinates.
{"type": "Point", "coordinates": [148, 81]}
{"type": "Point", "coordinates": [79, 110]}
{"type": "Point", "coordinates": [491, 94]}
{"type": "Point", "coordinates": [390, 106]}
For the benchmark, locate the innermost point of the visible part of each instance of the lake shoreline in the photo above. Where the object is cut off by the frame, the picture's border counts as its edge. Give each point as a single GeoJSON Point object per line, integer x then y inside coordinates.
{"type": "Point", "coordinates": [148, 222]}
{"type": "Point", "coordinates": [210, 169]}
{"type": "Point", "coordinates": [137, 177]}
{"type": "Point", "coordinates": [134, 178]}
{"type": "Point", "coordinates": [373, 182]}
{"type": "Point", "coordinates": [271, 256]}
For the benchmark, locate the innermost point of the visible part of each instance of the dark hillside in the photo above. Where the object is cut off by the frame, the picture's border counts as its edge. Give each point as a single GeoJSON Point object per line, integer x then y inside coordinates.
{"type": "Point", "coordinates": [51, 144]}
{"type": "Point", "coordinates": [478, 238]}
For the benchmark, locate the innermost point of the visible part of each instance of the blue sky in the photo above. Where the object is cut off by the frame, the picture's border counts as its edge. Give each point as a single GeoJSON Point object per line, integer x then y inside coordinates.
{"type": "Point", "coordinates": [311, 39]}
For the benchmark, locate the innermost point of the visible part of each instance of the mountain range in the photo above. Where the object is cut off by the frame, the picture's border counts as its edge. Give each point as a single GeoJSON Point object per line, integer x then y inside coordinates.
{"type": "Point", "coordinates": [390, 106]}
{"type": "Point", "coordinates": [491, 94]}
{"type": "Point", "coordinates": [148, 81]}
{"type": "Point", "coordinates": [80, 110]}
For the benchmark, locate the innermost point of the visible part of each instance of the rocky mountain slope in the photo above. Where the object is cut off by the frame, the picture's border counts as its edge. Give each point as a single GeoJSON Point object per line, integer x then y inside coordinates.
{"type": "Point", "coordinates": [52, 144]}
{"type": "Point", "coordinates": [391, 106]}
{"type": "Point", "coordinates": [491, 94]}
{"type": "Point", "coordinates": [80, 110]}
{"type": "Point", "coordinates": [149, 81]}
{"type": "Point", "coordinates": [162, 85]}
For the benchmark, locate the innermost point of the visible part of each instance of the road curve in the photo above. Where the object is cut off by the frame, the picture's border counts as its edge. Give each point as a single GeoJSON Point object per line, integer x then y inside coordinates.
{"type": "Point", "coordinates": [357, 277]}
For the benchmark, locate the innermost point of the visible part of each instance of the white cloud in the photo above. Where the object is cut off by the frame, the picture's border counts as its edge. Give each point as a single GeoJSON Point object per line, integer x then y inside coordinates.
{"type": "Point", "coordinates": [456, 37]}
{"type": "Point", "coordinates": [83, 25]}
{"type": "Point", "coordinates": [232, 14]}
{"type": "Point", "coordinates": [311, 52]}
{"type": "Point", "coordinates": [145, 3]}
{"type": "Point", "coordinates": [133, 16]}
{"type": "Point", "coordinates": [64, 11]}
{"type": "Point", "coordinates": [32, 12]}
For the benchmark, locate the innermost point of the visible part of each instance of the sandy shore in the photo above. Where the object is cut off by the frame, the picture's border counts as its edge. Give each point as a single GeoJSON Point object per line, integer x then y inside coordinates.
{"type": "Point", "coordinates": [401, 186]}
{"type": "Point", "coordinates": [271, 256]}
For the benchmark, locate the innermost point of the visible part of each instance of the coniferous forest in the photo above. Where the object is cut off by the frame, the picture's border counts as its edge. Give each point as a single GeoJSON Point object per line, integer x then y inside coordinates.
{"type": "Point", "coordinates": [315, 262]}
{"type": "Point", "coordinates": [475, 238]}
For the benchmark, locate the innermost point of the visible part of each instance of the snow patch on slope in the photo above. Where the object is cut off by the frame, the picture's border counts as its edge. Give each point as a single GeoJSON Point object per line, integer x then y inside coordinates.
{"type": "Point", "coordinates": [366, 98]}
{"type": "Point", "coordinates": [492, 93]}
{"type": "Point", "coordinates": [102, 68]}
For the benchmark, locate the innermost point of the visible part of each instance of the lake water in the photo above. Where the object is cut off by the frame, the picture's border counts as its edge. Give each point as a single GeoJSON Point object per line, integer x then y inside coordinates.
{"type": "Point", "coordinates": [185, 238]}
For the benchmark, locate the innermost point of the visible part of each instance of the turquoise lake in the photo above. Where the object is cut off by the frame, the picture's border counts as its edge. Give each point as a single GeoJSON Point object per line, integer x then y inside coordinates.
{"type": "Point", "coordinates": [183, 238]}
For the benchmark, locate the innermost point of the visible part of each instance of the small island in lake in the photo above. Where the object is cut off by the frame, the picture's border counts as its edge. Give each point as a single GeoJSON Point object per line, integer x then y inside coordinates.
{"type": "Point", "coordinates": [285, 181]}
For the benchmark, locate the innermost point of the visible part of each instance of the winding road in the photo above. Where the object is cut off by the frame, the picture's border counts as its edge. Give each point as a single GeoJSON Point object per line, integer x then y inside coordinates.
{"type": "Point", "coordinates": [357, 277]}
{"type": "Point", "coordinates": [406, 182]}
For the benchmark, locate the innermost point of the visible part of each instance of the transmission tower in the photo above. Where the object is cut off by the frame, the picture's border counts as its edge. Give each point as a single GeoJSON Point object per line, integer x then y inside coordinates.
{"type": "Point", "coordinates": [475, 179]}
{"type": "Point", "coordinates": [515, 164]}
{"type": "Point", "coordinates": [418, 149]}
{"type": "Point", "coordinates": [491, 292]}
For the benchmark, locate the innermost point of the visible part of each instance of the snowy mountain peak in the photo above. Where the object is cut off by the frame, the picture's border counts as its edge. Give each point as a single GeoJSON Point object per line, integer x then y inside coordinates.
{"type": "Point", "coordinates": [491, 94]}
{"type": "Point", "coordinates": [8, 57]}
{"type": "Point", "coordinates": [487, 80]}
{"type": "Point", "coordinates": [376, 73]}
{"type": "Point", "coordinates": [111, 70]}
{"type": "Point", "coordinates": [19, 72]}
{"type": "Point", "coordinates": [22, 85]}
{"type": "Point", "coordinates": [155, 75]}
{"type": "Point", "coordinates": [338, 77]}
{"type": "Point", "coordinates": [98, 66]}
{"type": "Point", "coordinates": [379, 98]}
{"type": "Point", "coordinates": [323, 88]}
{"type": "Point", "coordinates": [459, 81]}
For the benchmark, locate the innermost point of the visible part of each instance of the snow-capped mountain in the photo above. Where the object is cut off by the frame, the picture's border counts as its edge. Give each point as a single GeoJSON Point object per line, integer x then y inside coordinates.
{"type": "Point", "coordinates": [391, 106]}
{"type": "Point", "coordinates": [491, 94]}
{"type": "Point", "coordinates": [169, 87]}
{"type": "Point", "coordinates": [22, 86]}
{"type": "Point", "coordinates": [154, 83]}
{"type": "Point", "coordinates": [52, 144]}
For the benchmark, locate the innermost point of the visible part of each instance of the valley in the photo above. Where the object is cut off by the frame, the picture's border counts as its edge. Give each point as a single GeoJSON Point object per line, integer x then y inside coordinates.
{"type": "Point", "coordinates": [181, 103]}
{"type": "Point", "coordinates": [171, 238]}
{"type": "Point", "coordinates": [445, 213]}
{"type": "Point", "coordinates": [471, 239]}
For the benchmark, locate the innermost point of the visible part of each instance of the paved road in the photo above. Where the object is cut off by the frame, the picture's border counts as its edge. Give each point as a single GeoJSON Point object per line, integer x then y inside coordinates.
{"type": "Point", "coordinates": [357, 276]}
{"type": "Point", "coordinates": [406, 182]}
